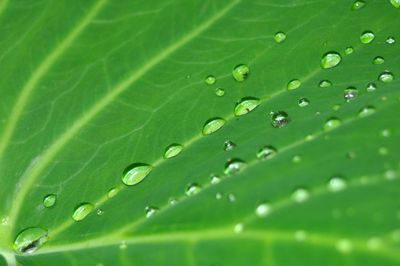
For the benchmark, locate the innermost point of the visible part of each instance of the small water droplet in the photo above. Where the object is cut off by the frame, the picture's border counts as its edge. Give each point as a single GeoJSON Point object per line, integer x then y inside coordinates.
{"type": "Point", "coordinates": [210, 80]}
{"type": "Point", "coordinates": [212, 125]}
{"type": "Point", "coordinates": [246, 105]}
{"type": "Point", "coordinates": [99, 212]}
{"type": "Point", "coordinates": [82, 211]}
{"type": "Point", "coordinates": [135, 173]}
{"type": "Point", "coordinates": [344, 246]}
{"type": "Point", "coordinates": [390, 40]}
{"type": "Point", "coordinates": [193, 189]}
{"type": "Point", "coordinates": [378, 60]}
{"type": "Point", "coordinates": [279, 119]}
{"type": "Point", "coordinates": [150, 211]}
{"type": "Point", "coordinates": [229, 145]}
{"type": "Point", "coordinates": [358, 5]}
{"type": "Point", "coordinates": [112, 192]}
{"type": "Point", "coordinates": [238, 228]}
{"type": "Point", "coordinates": [233, 166]}
{"type": "Point", "coordinates": [231, 197]}
{"type": "Point", "coordinates": [386, 133]}
{"type": "Point", "coordinates": [303, 102]}
{"type": "Point", "coordinates": [215, 179]}
{"type": "Point", "coordinates": [172, 201]}
{"type": "Point", "coordinates": [241, 72]}
{"type": "Point", "coordinates": [351, 155]}
{"type": "Point", "coordinates": [30, 239]}
{"type": "Point", "coordinates": [371, 87]}
{"type": "Point", "coordinates": [49, 200]}
{"type": "Point", "coordinates": [332, 123]}
{"type": "Point", "coordinates": [330, 59]}
{"type": "Point", "coordinates": [350, 94]}
{"type": "Point", "coordinates": [219, 92]}
{"type": "Point", "coordinates": [390, 175]}
{"type": "Point", "coordinates": [395, 3]}
{"type": "Point", "coordinates": [366, 111]}
{"type": "Point", "coordinates": [386, 77]}
{"type": "Point", "coordinates": [173, 150]}
{"type": "Point", "coordinates": [280, 37]}
{"type": "Point", "coordinates": [266, 152]}
{"type": "Point", "coordinates": [336, 107]}
{"type": "Point", "coordinates": [218, 196]}
{"type": "Point", "coordinates": [325, 84]}
{"type": "Point", "coordinates": [293, 84]}
{"type": "Point", "coordinates": [300, 195]}
{"type": "Point", "coordinates": [336, 184]}
{"type": "Point", "coordinates": [263, 210]}
{"type": "Point", "coordinates": [349, 50]}
{"type": "Point", "coordinates": [383, 151]}
{"type": "Point", "coordinates": [367, 37]}
{"type": "Point", "coordinates": [296, 159]}
{"type": "Point", "coordinates": [123, 245]}
{"type": "Point", "coordinates": [5, 221]}
{"type": "Point", "coordinates": [300, 235]}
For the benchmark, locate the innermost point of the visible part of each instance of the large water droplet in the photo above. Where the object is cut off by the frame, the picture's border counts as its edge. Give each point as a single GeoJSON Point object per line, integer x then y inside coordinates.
{"type": "Point", "coordinates": [241, 72]}
{"type": "Point", "coordinates": [150, 211]}
{"type": "Point", "coordinates": [325, 84]}
{"type": "Point", "coordinates": [366, 111]}
{"type": "Point", "coordinates": [82, 211]}
{"type": "Point", "coordinates": [266, 152]}
{"type": "Point", "coordinates": [30, 239]}
{"type": "Point", "coordinates": [280, 37]}
{"type": "Point", "coordinates": [279, 119]}
{"type": "Point", "coordinates": [49, 200]}
{"type": "Point", "coordinates": [350, 94]}
{"type": "Point", "coordinates": [173, 150]}
{"type": "Point", "coordinates": [135, 173]}
{"type": "Point", "coordinates": [336, 184]}
{"type": "Point", "coordinates": [210, 80]}
{"type": "Point", "coordinates": [246, 105]}
{"type": "Point", "coordinates": [193, 189]}
{"type": "Point", "coordinates": [233, 166]}
{"type": "Point", "coordinates": [358, 5]}
{"type": "Point", "coordinates": [213, 125]}
{"type": "Point", "coordinates": [332, 123]}
{"type": "Point", "coordinates": [303, 102]}
{"type": "Point", "coordinates": [300, 195]}
{"type": "Point", "coordinates": [395, 3]}
{"type": "Point", "coordinates": [229, 145]}
{"type": "Point", "coordinates": [386, 77]}
{"type": "Point", "coordinates": [378, 60]}
{"type": "Point", "coordinates": [330, 59]}
{"type": "Point", "coordinates": [294, 84]}
{"type": "Point", "coordinates": [367, 37]}
{"type": "Point", "coordinates": [263, 210]}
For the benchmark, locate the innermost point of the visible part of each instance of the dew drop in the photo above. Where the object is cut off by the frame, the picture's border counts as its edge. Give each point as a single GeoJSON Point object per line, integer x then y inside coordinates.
{"type": "Point", "coordinates": [300, 195]}
{"type": "Point", "coordinates": [325, 84]}
{"type": "Point", "coordinates": [263, 210]}
{"type": "Point", "coordinates": [279, 119]}
{"type": "Point", "coordinates": [386, 133]}
{"type": "Point", "coordinates": [349, 50]}
{"type": "Point", "coordinates": [135, 173]}
{"type": "Point", "coordinates": [172, 201]}
{"type": "Point", "coordinates": [296, 159]}
{"type": "Point", "coordinates": [300, 235]}
{"type": "Point", "coordinates": [367, 37]}
{"type": "Point", "coordinates": [280, 37]}
{"type": "Point", "coordinates": [246, 105]}
{"type": "Point", "coordinates": [386, 77]}
{"type": "Point", "coordinates": [336, 107]}
{"type": "Point", "coordinates": [390, 40]}
{"type": "Point", "coordinates": [193, 189]}
{"type": "Point", "coordinates": [344, 246]}
{"type": "Point", "coordinates": [350, 94]}
{"type": "Point", "coordinates": [358, 5]}
{"type": "Point", "coordinates": [383, 151]}
{"type": "Point", "coordinates": [218, 196]}
{"type": "Point", "coordinates": [395, 3]}
{"type": "Point", "coordinates": [231, 197]}
{"type": "Point", "coordinates": [210, 80]}
{"type": "Point", "coordinates": [293, 84]}
{"type": "Point", "coordinates": [366, 111]}
{"type": "Point", "coordinates": [240, 72]}
{"type": "Point", "coordinates": [233, 166]}
{"type": "Point", "coordinates": [371, 87]}
{"type": "Point", "coordinates": [238, 228]}
{"type": "Point", "coordinates": [229, 145]}
{"type": "Point", "coordinates": [303, 102]}
{"type": "Point", "coordinates": [82, 211]}
{"type": "Point", "coordinates": [49, 200]}
{"type": "Point", "coordinates": [336, 184]}
{"type": "Point", "coordinates": [30, 239]}
{"type": "Point", "coordinates": [378, 60]}
{"type": "Point", "coordinates": [266, 152]}
{"type": "Point", "coordinates": [330, 59]}
{"type": "Point", "coordinates": [212, 125]}
{"type": "Point", "coordinates": [220, 92]}
{"type": "Point", "coordinates": [173, 150]}
{"type": "Point", "coordinates": [332, 123]}
{"type": "Point", "coordinates": [99, 212]}
{"type": "Point", "coordinates": [215, 179]}
{"type": "Point", "coordinates": [112, 192]}
{"type": "Point", "coordinates": [150, 211]}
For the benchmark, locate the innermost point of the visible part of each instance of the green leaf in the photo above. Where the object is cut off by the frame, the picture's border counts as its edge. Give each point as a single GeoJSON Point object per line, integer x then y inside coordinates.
{"type": "Point", "coordinates": [96, 92]}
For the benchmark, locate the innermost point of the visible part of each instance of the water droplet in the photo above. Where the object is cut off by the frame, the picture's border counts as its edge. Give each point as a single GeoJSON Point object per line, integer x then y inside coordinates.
{"type": "Point", "coordinates": [336, 107]}
{"type": "Point", "coordinates": [349, 50]}
{"type": "Point", "coordinates": [296, 159]}
{"type": "Point", "coordinates": [395, 3]}
{"type": "Point", "coordinates": [220, 92]}
{"type": "Point", "coordinates": [332, 123]}
{"type": "Point", "coordinates": [233, 166]}
{"type": "Point", "coordinates": [390, 175]}
{"type": "Point", "coordinates": [336, 184]}
{"type": "Point", "coordinates": [231, 197]}
{"type": "Point", "coordinates": [280, 37]}
{"type": "Point", "coordinates": [263, 210]}
{"type": "Point", "coordinates": [238, 228]}
{"type": "Point", "coordinates": [210, 80]}
{"type": "Point", "coordinates": [135, 173]}
{"type": "Point", "coordinates": [366, 111]}
{"type": "Point", "coordinates": [386, 133]}
{"type": "Point", "coordinates": [300, 195]}
{"type": "Point", "coordinates": [300, 235]}
{"type": "Point", "coordinates": [350, 94]}
{"type": "Point", "coordinates": [30, 239]}
{"type": "Point", "coordinates": [303, 102]}
{"type": "Point", "coordinates": [173, 150]}
{"type": "Point", "coordinates": [279, 119]}
{"type": "Point", "coordinates": [112, 192]}
{"type": "Point", "coordinates": [49, 200]}
{"type": "Point", "coordinates": [213, 125]}
{"type": "Point", "coordinates": [294, 84]}
{"type": "Point", "coordinates": [218, 196]}
{"type": "Point", "coordinates": [172, 201]}
{"type": "Point", "coordinates": [390, 40]}
{"type": "Point", "coordinates": [229, 145]}
{"type": "Point", "coordinates": [325, 84]}
{"type": "Point", "coordinates": [344, 246]}
{"type": "Point", "coordinates": [330, 59]}
{"type": "Point", "coordinates": [351, 155]}
{"type": "Point", "coordinates": [246, 105]}
{"type": "Point", "coordinates": [383, 151]}
{"type": "Point", "coordinates": [358, 5]}
{"type": "Point", "coordinates": [378, 60]}
{"type": "Point", "coordinates": [123, 245]}
{"type": "Point", "coordinates": [371, 87]}
{"type": "Point", "coordinates": [367, 37]}
{"type": "Point", "coordinates": [150, 211]}
{"type": "Point", "coordinates": [215, 179]}
{"type": "Point", "coordinates": [193, 189]}
{"type": "Point", "coordinates": [240, 72]}
{"type": "Point", "coordinates": [266, 152]}
{"type": "Point", "coordinates": [99, 212]}
{"type": "Point", "coordinates": [82, 211]}
{"type": "Point", "coordinates": [386, 77]}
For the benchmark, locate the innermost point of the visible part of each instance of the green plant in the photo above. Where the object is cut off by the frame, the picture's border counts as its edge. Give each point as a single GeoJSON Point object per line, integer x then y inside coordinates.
{"type": "Point", "coordinates": [199, 132]}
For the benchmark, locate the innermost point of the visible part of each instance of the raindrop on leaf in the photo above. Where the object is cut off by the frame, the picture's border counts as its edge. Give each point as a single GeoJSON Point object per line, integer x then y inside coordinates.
{"type": "Point", "coordinates": [82, 211]}
{"type": "Point", "coordinates": [49, 200]}
{"type": "Point", "coordinates": [241, 72]}
{"type": "Point", "coordinates": [330, 59]}
{"type": "Point", "coordinates": [135, 173]}
{"type": "Point", "coordinates": [246, 105]}
{"type": "Point", "coordinates": [280, 37]}
{"type": "Point", "coordinates": [173, 150]}
{"type": "Point", "coordinates": [367, 37]}
{"type": "Point", "coordinates": [213, 125]}
{"type": "Point", "coordinates": [30, 239]}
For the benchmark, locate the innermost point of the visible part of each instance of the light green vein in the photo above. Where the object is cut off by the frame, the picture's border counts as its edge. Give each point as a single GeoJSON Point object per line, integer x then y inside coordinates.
{"type": "Point", "coordinates": [135, 75]}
